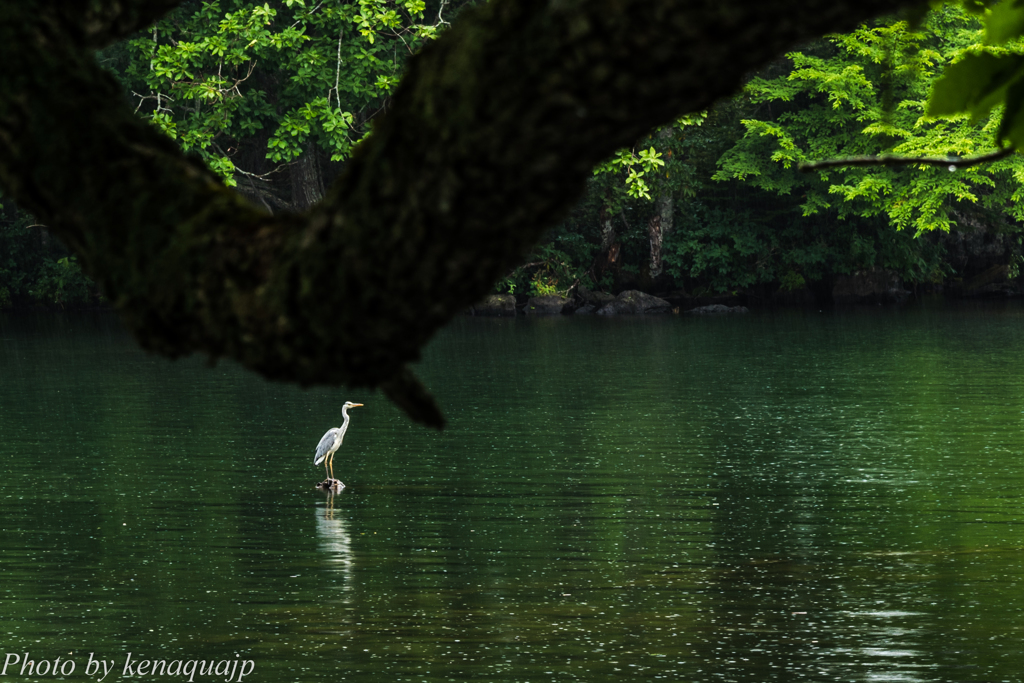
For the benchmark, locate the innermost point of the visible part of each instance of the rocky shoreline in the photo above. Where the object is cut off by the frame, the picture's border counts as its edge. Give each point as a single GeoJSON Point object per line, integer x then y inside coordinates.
{"type": "Point", "coordinates": [629, 302]}
{"type": "Point", "coordinates": [870, 287]}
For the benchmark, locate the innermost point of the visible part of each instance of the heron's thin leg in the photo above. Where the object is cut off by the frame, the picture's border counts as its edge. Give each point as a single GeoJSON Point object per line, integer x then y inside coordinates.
{"type": "Point", "coordinates": [332, 466]}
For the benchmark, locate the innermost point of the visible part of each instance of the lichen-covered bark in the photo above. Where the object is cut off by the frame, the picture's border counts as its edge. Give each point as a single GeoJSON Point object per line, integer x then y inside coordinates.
{"type": "Point", "coordinates": [306, 180]}
{"type": "Point", "coordinates": [489, 141]}
{"type": "Point", "coordinates": [655, 235]}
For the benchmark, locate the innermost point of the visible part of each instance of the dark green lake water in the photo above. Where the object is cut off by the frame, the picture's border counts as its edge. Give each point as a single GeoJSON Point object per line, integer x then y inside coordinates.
{"type": "Point", "coordinates": [775, 497]}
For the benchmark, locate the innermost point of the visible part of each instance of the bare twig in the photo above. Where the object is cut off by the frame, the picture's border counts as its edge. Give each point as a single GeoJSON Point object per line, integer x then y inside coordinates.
{"type": "Point", "coordinates": [258, 194]}
{"type": "Point", "coordinates": [308, 14]}
{"type": "Point", "coordinates": [952, 163]}
{"type": "Point", "coordinates": [337, 72]}
{"type": "Point", "coordinates": [263, 176]}
{"type": "Point", "coordinates": [152, 62]}
{"type": "Point", "coordinates": [252, 67]}
{"type": "Point", "coordinates": [398, 34]}
{"type": "Point", "coordinates": [159, 101]}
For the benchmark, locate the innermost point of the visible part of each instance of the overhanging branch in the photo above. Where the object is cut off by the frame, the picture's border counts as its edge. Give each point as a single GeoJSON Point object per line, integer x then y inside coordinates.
{"type": "Point", "coordinates": [952, 163]}
{"type": "Point", "coordinates": [490, 139]}
{"type": "Point", "coordinates": [99, 23]}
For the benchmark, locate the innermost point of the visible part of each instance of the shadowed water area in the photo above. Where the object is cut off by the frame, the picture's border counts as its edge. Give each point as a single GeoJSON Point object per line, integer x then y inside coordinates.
{"type": "Point", "coordinates": [774, 497]}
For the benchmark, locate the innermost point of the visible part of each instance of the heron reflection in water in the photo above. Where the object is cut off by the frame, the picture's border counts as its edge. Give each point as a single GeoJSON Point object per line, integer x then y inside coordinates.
{"type": "Point", "coordinates": [331, 442]}
{"type": "Point", "coordinates": [334, 544]}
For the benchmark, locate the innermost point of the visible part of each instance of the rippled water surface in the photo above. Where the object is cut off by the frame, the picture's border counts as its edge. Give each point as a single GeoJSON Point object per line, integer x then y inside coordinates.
{"type": "Point", "coordinates": [775, 497]}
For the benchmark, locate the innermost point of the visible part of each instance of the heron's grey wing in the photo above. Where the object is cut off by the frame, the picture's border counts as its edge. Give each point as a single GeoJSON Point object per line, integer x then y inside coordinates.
{"type": "Point", "coordinates": [324, 447]}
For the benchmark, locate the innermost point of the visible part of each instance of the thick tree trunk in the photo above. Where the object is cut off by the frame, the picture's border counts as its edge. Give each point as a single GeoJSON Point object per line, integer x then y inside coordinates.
{"type": "Point", "coordinates": [307, 180]}
{"type": "Point", "coordinates": [655, 235]}
{"type": "Point", "coordinates": [661, 224]}
{"type": "Point", "coordinates": [490, 139]}
{"type": "Point", "coordinates": [608, 255]}
{"type": "Point", "coordinates": [666, 207]}
{"type": "Point", "coordinates": [607, 230]}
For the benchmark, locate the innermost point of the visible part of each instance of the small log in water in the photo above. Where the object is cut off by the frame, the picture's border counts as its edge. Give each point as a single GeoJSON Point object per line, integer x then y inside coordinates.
{"type": "Point", "coordinates": [331, 485]}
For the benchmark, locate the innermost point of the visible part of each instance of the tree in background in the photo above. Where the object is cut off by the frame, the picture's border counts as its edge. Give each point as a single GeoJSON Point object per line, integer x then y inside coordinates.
{"type": "Point", "coordinates": [615, 235]}
{"type": "Point", "coordinates": [866, 93]}
{"type": "Point", "coordinates": [744, 215]}
{"type": "Point", "coordinates": [35, 268]}
{"type": "Point", "coordinates": [724, 235]}
{"type": "Point", "coordinates": [272, 96]}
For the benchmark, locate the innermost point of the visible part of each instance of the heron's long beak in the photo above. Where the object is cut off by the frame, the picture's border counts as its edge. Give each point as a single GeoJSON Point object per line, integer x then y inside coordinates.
{"type": "Point", "coordinates": [356, 405]}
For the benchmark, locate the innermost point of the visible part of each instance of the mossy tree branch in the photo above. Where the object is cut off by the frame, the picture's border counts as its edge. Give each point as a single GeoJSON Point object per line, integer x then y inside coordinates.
{"type": "Point", "coordinates": [490, 139]}
{"type": "Point", "coordinates": [102, 22]}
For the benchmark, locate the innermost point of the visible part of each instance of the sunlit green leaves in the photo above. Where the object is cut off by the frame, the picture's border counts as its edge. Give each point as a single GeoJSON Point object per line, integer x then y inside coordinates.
{"type": "Point", "coordinates": [164, 122]}
{"type": "Point", "coordinates": [695, 119]}
{"type": "Point", "coordinates": [378, 16]}
{"type": "Point", "coordinates": [223, 167]}
{"type": "Point", "coordinates": [223, 75]}
{"type": "Point", "coordinates": [295, 128]}
{"type": "Point", "coordinates": [832, 104]}
{"type": "Point", "coordinates": [636, 167]}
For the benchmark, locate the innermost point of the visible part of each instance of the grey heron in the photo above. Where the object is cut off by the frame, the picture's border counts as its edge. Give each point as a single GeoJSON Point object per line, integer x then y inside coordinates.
{"type": "Point", "coordinates": [331, 442]}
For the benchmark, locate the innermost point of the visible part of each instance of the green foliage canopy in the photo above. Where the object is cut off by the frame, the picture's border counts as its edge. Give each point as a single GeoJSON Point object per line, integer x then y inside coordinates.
{"type": "Point", "coordinates": [235, 81]}
{"type": "Point", "coordinates": [867, 93]}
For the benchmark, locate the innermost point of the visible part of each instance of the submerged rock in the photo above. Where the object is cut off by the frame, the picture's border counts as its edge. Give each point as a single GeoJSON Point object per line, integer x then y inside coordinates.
{"type": "Point", "coordinates": [549, 304]}
{"type": "Point", "coordinates": [595, 299]}
{"type": "Point", "coordinates": [994, 281]}
{"type": "Point", "coordinates": [871, 286]}
{"type": "Point", "coordinates": [499, 305]}
{"type": "Point", "coordinates": [718, 309]}
{"type": "Point", "coordinates": [635, 302]}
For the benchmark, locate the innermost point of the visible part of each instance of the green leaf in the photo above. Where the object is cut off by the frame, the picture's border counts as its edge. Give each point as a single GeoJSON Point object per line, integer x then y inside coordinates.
{"type": "Point", "coordinates": [1012, 126]}
{"type": "Point", "coordinates": [1004, 23]}
{"type": "Point", "coordinates": [975, 84]}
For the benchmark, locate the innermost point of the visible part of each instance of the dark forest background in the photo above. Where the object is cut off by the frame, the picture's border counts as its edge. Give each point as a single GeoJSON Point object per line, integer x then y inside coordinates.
{"type": "Point", "coordinates": [274, 97]}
